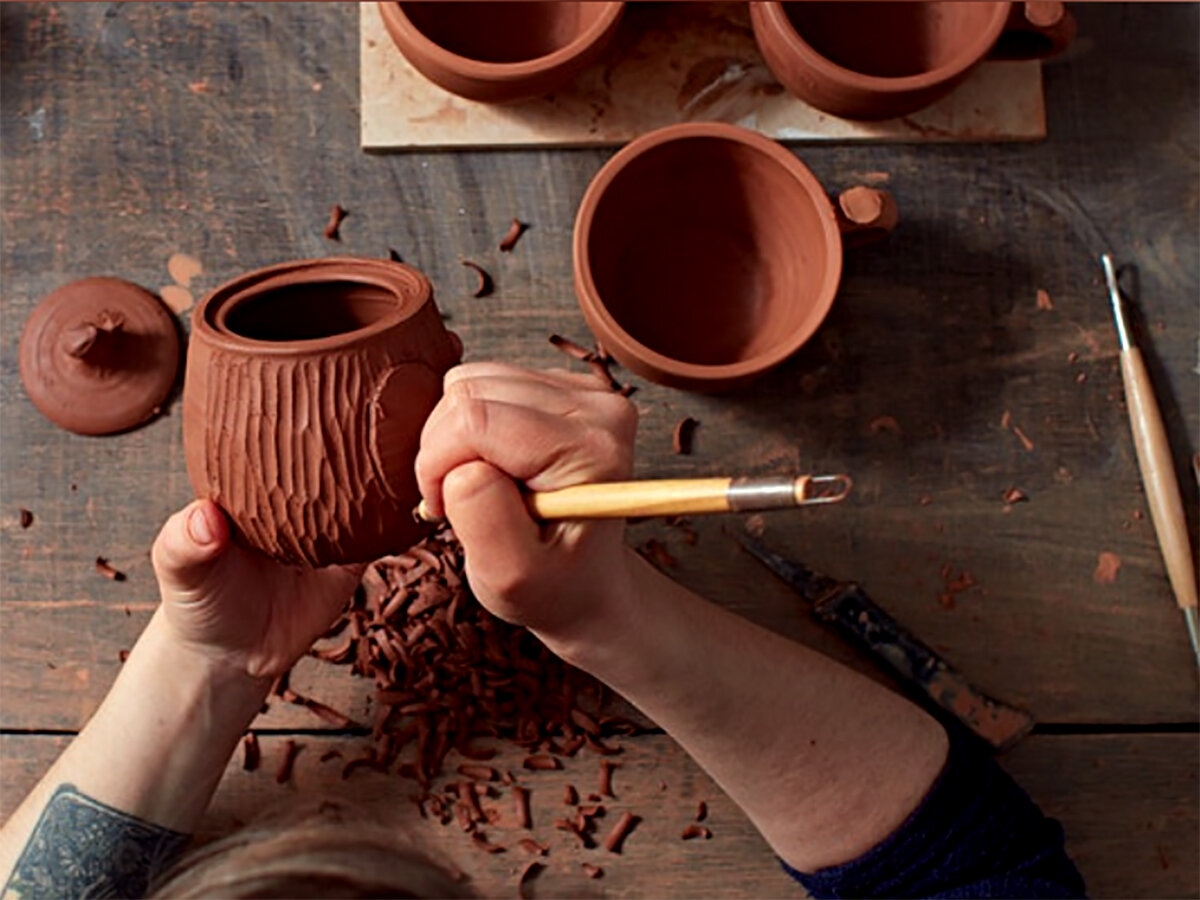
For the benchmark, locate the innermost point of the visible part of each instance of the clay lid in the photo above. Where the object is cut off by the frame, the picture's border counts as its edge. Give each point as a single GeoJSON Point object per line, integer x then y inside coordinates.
{"type": "Point", "coordinates": [99, 356]}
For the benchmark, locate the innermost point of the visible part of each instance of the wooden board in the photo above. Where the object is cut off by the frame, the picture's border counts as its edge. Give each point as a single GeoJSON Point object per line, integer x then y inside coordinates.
{"type": "Point", "coordinates": [1119, 798]}
{"type": "Point", "coordinates": [671, 63]}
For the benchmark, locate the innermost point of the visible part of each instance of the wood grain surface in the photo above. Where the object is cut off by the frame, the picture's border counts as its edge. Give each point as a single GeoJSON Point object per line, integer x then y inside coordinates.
{"type": "Point", "coordinates": [133, 132]}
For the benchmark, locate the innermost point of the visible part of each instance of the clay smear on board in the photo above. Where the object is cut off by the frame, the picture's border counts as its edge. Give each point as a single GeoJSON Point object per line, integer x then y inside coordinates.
{"type": "Point", "coordinates": [1108, 564]}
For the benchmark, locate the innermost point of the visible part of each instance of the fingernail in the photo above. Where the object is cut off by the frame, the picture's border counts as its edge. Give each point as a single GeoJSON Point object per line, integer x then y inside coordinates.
{"type": "Point", "coordinates": [199, 527]}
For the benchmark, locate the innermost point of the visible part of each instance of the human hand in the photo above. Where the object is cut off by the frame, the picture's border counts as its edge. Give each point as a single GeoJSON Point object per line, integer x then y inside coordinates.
{"type": "Point", "coordinates": [498, 427]}
{"type": "Point", "coordinates": [238, 606]}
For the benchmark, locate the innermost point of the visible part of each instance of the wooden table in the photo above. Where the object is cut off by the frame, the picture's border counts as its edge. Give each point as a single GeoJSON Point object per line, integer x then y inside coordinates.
{"type": "Point", "coordinates": [134, 132]}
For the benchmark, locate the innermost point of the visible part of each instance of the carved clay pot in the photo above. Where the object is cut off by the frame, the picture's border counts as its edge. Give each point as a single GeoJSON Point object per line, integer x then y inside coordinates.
{"type": "Point", "coordinates": [877, 60]}
{"type": "Point", "coordinates": [308, 384]}
{"type": "Point", "coordinates": [707, 254]}
{"type": "Point", "coordinates": [501, 52]}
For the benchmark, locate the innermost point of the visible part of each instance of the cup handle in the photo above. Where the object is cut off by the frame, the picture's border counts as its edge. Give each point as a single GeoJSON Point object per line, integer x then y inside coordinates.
{"type": "Point", "coordinates": [1036, 29]}
{"type": "Point", "coordinates": [865, 215]}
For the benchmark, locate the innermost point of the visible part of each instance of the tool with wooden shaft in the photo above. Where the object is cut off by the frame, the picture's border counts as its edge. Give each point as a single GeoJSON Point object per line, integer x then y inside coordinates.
{"type": "Point", "coordinates": [1154, 459]}
{"type": "Point", "coordinates": [678, 497]}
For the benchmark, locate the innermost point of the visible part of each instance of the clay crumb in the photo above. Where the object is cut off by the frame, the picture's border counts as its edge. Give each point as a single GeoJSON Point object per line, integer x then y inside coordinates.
{"type": "Point", "coordinates": [1005, 420]}
{"type": "Point", "coordinates": [1072, 357]}
{"type": "Point", "coordinates": [572, 349]}
{"type": "Point", "coordinates": [541, 761]}
{"type": "Point", "coordinates": [106, 569]}
{"type": "Point", "coordinates": [591, 870]}
{"type": "Point", "coordinates": [250, 752]}
{"type": "Point", "coordinates": [1043, 300]}
{"type": "Point", "coordinates": [333, 226]}
{"type": "Point", "coordinates": [1108, 564]}
{"type": "Point", "coordinates": [25, 517]}
{"type": "Point", "coordinates": [532, 847]}
{"type": "Point", "coordinates": [178, 299]}
{"type": "Point", "coordinates": [1138, 514]}
{"type": "Point", "coordinates": [681, 439]}
{"type": "Point", "coordinates": [1015, 495]}
{"type": "Point", "coordinates": [701, 811]}
{"type": "Point", "coordinates": [198, 87]}
{"type": "Point", "coordinates": [484, 284]}
{"type": "Point", "coordinates": [615, 839]}
{"type": "Point", "coordinates": [122, 655]}
{"type": "Point", "coordinates": [756, 525]}
{"type": "Point", "coordinates": [290, 751]}
{"type": "Point", "coordinates": [1025, 440]}
{"type": "Point", "coordinates": [695, 831]}
{"type": "Point", "coordinates": [657, 553]}
{"type": "Point", "coordinates": [515, 230]}
{"type": "Point", "coordinates": [925, 499]}
{"type": "Point", "coordinates": [394, 255]}
{"type": "Point", "coordinates": [880, 424]}
{"type": "Point", "coordinates": [330, 754]}
{"type": "Point", "coordinates": [183, 267]}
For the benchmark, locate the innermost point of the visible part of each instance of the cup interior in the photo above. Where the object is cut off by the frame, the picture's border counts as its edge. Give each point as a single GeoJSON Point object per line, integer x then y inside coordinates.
{"type": "Point", "coordinates": [502, 32]}
{"type": "Point", "coordinates": [891, 39]}
{"type": "Point", "coordinates": [308, 311]}
{"type": "Point", "coordinates": [709, 251]}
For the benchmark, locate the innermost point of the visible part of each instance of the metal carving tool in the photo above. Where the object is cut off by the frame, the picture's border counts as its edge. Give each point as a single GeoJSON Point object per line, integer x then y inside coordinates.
{"type": "Point", "coordinates": [846, 606]}
{"type": "Point", "coordinates": [679, 497]}
{"type": "Point", "coordinates": [1154, 459]}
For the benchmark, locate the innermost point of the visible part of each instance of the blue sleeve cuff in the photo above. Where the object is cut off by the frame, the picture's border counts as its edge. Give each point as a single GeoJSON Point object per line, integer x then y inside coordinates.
{"type": "Point", "coordinates": [976, 834]}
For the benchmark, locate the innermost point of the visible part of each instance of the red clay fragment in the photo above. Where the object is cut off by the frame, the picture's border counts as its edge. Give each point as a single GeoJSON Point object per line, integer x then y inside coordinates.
{"type": "Point", "coordinates": [104, 568]}
{"type": "Point", "coordinates": [615, 838]}
{"type": "Point", "coordinates": [1107, 566]}
{"type": "Point", "coordinates": [570, 796]}
{"type": "Point", "coordinates": [541, 761]}
{"type": "Point", "coordinates": [515, 230]}
{"type": "Point", "coordinates": [521, 803]}
{"type": "Point", "coordinates": [701, 811]}
{"type": "Point", "coordinates": [681, 439]}
{"type": "Point", "coordinates": [658, 554]}
{"type": "Point", "coordinates": [695, 831]}
{"type": "Point", "coordinates": [1043, 300]}
{"type": "Point", "coordinates": [531, 871]}
{"type": "Point", "coordinates": [26, 517]}
{"type": "Point", "coordinates": [480, 773]}
{"type": "Point", "coordinates": [250, 752]}
{"type": "Point", "coordinates": [591, 870]}
{"type": "Point", "coordinates": [1015, 495]}
{"type": "Point", "coordinates": [290, 751]}
{"type": "Point", "coordinates": [1023, 438]}
{"type": "Point", "coordinates": [606, 770]}
{"type": "Point", "coordinates": [532, 847]}
{"type": "Point", "coordinates": [336, 215]}
{"type": "Point", "coordinates": [572, 349]}
{"type": "Point", "coordinates": [485, 286]}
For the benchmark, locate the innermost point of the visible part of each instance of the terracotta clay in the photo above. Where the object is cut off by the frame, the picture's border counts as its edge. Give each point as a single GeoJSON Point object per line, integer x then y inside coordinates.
{"type": "Point", "coordinates": [706, 254]}
{"type": "Point", "coordinates": [878, 60]}
{"type": "Point", "coordinates": [99, 356]}
{"type": "Point", "coordinates": [307, 387]}
{"type": "Point", "coordinates": [501, 52]}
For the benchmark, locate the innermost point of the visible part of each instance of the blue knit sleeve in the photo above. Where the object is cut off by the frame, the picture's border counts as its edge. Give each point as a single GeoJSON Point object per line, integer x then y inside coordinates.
{"type": "Point", "coordinates": [976, 834]}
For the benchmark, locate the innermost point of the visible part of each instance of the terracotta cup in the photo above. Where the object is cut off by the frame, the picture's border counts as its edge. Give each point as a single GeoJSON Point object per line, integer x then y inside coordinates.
{"type": "Point", "coordinates": [878, 60]}
{"type": "Point", "coordinates": [706, 254]}
{"type": "Point", "coordinates": [308, 384]}
{"type": "Point", "coordinates": [501, 52]}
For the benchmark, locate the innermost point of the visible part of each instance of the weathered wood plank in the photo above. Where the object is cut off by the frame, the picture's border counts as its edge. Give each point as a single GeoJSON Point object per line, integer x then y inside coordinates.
{"type": "Point", "coordinates": [1125, 802]}
{"type": "Point", "coordinates": [131, 132]}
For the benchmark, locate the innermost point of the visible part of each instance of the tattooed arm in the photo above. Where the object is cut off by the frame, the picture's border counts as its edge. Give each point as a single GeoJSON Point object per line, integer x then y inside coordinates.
{"type": "Point", "coordinates": [117, 805]}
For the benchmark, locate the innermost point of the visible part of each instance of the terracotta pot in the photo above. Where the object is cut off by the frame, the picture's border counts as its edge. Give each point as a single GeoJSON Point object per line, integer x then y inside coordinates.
{"type": "Point", "coordinates": [500, 52]}
{"type": "Point", "coordinates": [706, 254]}
{"type": "Point", "coordinates": [880, 60]}
{"type": "Point", "coordinates": [307, 387]}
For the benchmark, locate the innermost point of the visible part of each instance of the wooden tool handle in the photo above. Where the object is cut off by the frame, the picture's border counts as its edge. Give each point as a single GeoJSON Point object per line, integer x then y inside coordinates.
{"type": "Point", "coordinates": [1158, 477]}
{"type": "Point", "coordinates": [679, 497]}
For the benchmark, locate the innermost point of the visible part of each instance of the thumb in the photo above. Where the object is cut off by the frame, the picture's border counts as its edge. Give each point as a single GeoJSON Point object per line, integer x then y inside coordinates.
{"type": "Point", "coordinates": [186, 548]}
{"type": "Point", "coordinates": [500, 538]}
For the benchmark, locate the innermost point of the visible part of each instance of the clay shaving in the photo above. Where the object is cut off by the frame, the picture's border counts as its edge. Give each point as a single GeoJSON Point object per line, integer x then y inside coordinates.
{"type": "Point", "coordinates": [484, 286]}
{"type": "Point", "coordinates": [105, 568]}
{"type": "Point", "coordinates": [598, 361]}
{"type": "Point", "coordinates": [1015, 495]}
{"type": "Point", "coordinates": [681, 439]}
{"type": "Point", "coordinates": [615, 839]}
{"type": "Point", "coordinates": [1107, 566]}
{"type": "Point", "coordinates": [290, 751]}
{"type": "Point", "coordinates": [695, 831]}
{"type": "Point", "coordinates": [529, 873]}
{"type": "Point", "coordinates": [515, 230]}
{"type": "Point", "coordinates": [250, 752]}
{"type": "Point", "coordinates": [701, 811]}
{"type": "Point", "coordinates": [1043, 300]}
{"type": "Point", "coordinates": [394, 255]}
{"type": "Point", "coordinates": [591, 870]}
{"type": "Point", "coordinates": [25, 517]}
{"type": "Point", "coordinates": [333, 226]}
{"type": "Point", "coordinates": [657, 553]}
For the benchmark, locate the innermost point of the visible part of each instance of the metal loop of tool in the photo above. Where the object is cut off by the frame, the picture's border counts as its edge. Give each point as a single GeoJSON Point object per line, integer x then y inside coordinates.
{"type": "Point", "coordinates": [785, 492]}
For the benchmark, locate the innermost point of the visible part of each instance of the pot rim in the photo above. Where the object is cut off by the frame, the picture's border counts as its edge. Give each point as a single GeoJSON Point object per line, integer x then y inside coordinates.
{"type": "Point", "coordinates": [209, 317]}
{"type": "Point", "coordinates": [618, 338]}
{"type": "Point", "coordinates": [972, 54]}
{"type": "Point", "coordinates": [509, 71]}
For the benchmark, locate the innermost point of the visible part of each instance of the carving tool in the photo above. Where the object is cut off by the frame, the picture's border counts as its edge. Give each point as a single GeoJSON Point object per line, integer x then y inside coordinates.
{"type": "Point", "coordinates": [846, 606]}
{"type": "Point", "coordinates": [678, 497]}
{"type": "Point", "coordinates": [1154, 459]}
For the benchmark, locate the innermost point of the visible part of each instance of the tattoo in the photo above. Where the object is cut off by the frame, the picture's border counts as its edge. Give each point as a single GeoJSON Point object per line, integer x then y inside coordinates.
{"type": "Point", "coordinates": [81, 847]}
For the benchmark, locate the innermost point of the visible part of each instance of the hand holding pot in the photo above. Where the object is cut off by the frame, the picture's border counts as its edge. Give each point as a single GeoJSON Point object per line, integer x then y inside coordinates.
{"type": "Point", "coordinates": [237, 606]}
{"type": "Point", "coordinates": [499, 426]}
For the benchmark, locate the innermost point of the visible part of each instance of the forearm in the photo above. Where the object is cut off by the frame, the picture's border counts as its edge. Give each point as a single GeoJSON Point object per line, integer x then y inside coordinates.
{"type": "Point", "coordinates": [155, 751]}
{"type": "Point", "coordinates": [825, 762]}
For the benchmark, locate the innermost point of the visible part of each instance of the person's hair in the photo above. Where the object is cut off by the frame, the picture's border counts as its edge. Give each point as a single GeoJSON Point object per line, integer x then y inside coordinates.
{"type": "Point", "coordinates": [329, 849]}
